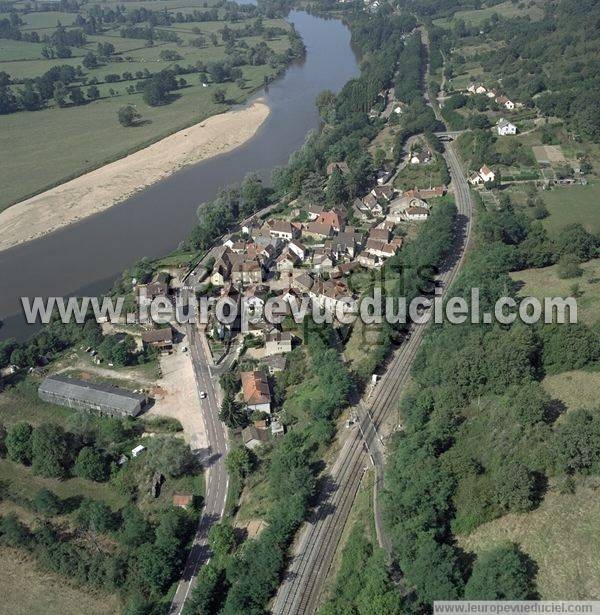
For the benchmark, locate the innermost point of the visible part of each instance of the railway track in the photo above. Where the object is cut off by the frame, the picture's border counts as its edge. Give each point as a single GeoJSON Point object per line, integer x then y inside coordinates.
{"type": "Point", "coordinates": [301, 588]}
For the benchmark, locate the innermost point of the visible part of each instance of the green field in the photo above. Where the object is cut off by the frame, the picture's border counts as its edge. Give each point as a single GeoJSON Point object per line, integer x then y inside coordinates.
{"type": "Point", "coordinates": [66, 142]}
{"type": "Point", "coordinates": [574, 204]}
{"type": "Point", "coordinates": [26, 589]}
{"type": "Point", "coordinates": [561, 536]}
{"type": "Point", "coordinates": [505, 9]}
{"type": "Point", "coordinates": [576, 389]}
{"type": "Point", "coordinates": [23, 482]}
{"type": "Point", "coordinates": [544, 282]}
{"type": "Point", "coordinates": [21, 403]}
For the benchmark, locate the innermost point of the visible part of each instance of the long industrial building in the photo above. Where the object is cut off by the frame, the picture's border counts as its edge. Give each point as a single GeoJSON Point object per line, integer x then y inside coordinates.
{"type": "Point", "coordinates": [104, 399]}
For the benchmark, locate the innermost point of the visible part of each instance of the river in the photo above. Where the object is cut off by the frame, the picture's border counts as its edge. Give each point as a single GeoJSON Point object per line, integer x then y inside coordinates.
{"type": "Point", "coordinates": [86, 257]}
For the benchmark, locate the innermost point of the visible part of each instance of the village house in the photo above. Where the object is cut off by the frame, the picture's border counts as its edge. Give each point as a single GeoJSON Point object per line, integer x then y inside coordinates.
{"type": "Point", "coordinates": [476, 88]}
{"type": "Point", "coordinates": [487, 174]}
{"type": "Point", "coordinates": [384, 176]}
{"type": "Point", "coordinates": [426, 193]}
{"type": "Point", "coordinates": [379, 234]}
{"type": "Point", "coordinates": [253, 299]}
{"type": "Point", "coordinates": [345, 269]}
{"type": "Point", "coordinates": [317, 230]}
{"type": "Point", "coordinates": [416, 214]}
{"type": "Point", "coordinates": [505, 102]}
{"type": "Point", "coordinates": [314, 211]}
{"type": "Point", "coordinates": [302, 283]}
{"type": "Point", "coordinates": [286, 261]}
{"type": "Point", "coordinates": [504, 127]}
{"type": "Point", "coordinates": [420, 157]}
{"type": "Point", "coordinates": [256, 392]}
{"type": "Point", "coordinates": [146, 293]}
{"type": "Point", "coordinates": [298, 249]}
{"type": "Point", "coordinates": [484, 175]}
{"type": "Point", "coordinates": [275, 363]}
{"type": "Point", "coordinates": [278, 342]}
{"type": "Point", "coordinates": [282, 229]}
{"type": "Point", "coordinates": [246, 271]}
{"type": "Point", "coordinates": [333, 218]}
{"type": "Point", "coordinates": [328, 294]}
{"type": "Point", "coordinates": [182, 500]}
{"type": "Point", "coordinates": [161, 339]}
{"type": "Point", "coordinates": [360, 210]}
{"type": "Point", "coordinates": [254, 437]}
{"type": "Point", "coordinates": [221, 269]}
{"type": "Point", "coordinates": [400, 205]}
{"type": "Point", "coordinates": [342, 166]}
{"type": "Point", "coordinates": [385, 193]}
{"type": "Point", "coordinates": [323, 260]}
{"type": "Point", "coordinates": [343, 244]}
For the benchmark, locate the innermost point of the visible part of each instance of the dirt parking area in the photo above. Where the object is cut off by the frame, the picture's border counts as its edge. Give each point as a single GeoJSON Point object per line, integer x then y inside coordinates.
{"type": "Point", "coordinates": [178, 397]}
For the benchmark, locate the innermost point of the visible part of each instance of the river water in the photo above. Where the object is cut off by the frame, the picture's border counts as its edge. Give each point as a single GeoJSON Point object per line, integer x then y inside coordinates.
{"type": "Point", "coordinates": [85, 258]}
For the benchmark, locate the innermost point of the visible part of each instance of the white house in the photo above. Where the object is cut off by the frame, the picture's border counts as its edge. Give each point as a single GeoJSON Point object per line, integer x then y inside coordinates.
{"type": "Point", "coordinates": [505, 127]}
{"type": "Point", "coordinates": [137, 450]}
{"type": "Point", "coordinates": [487, 175]}
{"type": "Point", "coordinates": [278, 342]}
{"type": "Point", "coordinates": [416, 213]}
{"type": "Point", "coordinates": [298, 249]}
{"type": "Point", "coordinates": [505, 102]}
{"type": "Point", "coordinates": [419, 157]}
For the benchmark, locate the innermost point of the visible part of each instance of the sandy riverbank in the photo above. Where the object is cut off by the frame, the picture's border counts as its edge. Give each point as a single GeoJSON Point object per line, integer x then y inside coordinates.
{"type": "Point", "coordinates": [100, 189]}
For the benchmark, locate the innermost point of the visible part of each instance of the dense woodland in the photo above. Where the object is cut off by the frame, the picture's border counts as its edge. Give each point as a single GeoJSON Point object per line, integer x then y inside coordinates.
{"type": "Point", "coordinates": [479, 438]}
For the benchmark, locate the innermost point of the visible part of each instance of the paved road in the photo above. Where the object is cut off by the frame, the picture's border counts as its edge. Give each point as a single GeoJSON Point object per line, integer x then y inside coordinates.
{"type": "Point", "coordinates": [213, 460]}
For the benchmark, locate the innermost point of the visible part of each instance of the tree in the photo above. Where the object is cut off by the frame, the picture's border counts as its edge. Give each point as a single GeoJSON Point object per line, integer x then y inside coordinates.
{"type": "Point", "coordinates": [336, 188]}
{"type": "Point", "coordinates": [8, 101]}
{"type": "Point", "coordinates": [76, 96]}
{"type": "Point", "coordinates": [49, 451]}
{"type": "Point", "coordinates": [239, 461]}
{"type": "Point", "coordinates": [60, 93]}
{"type": "Point", "coordinates": [91, 464]}
{"type": "Point", "coordinates": [128, 115]}
{"type": "Point", "coordinates": [95, 516]}
{"type": "Point", "coordinates": [18, 443]}
{"type": "Point", "coordinates": [135, 529]}
{"type": "Point", "coordinates": [47, 503]}
{"type": "Point", "coordinates": [231, 414]}
{"type": "Point", "coordinates": [574, 239]}
{"type": "Point", "coordinates": [253, 193]}
{"type": "Point", "coordinates": [221, 538]}
{"type": "Point", "coordinates": [568, 267]}
{"type": "Point", "coordinates": [219, 95]}
{"type": "Point", "coordinates": [28, 98]}
{"type": "Point", "coordinates": [501, 574]}
{"type": "Point", "coordinates": [90, 60]}
{"type": "Point", "coordinates": [171, 456]}
{"type": "Point", "coordinates": [13, 532]}
{"type": "Point", "coordinates": [514, 486]}
{"type": "Point", "coordinates": [93, 93]}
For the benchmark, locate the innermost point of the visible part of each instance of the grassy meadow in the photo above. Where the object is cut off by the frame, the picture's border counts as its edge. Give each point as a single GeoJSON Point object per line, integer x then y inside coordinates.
{"type": "Point", "coordinates": [561, 536]}
{"type": "Point", "coordinates": [544, 282]}
{"type": "Point", "coordinates": [66, 142]}
{"type": "Point", "coordinates": [26, 589]}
